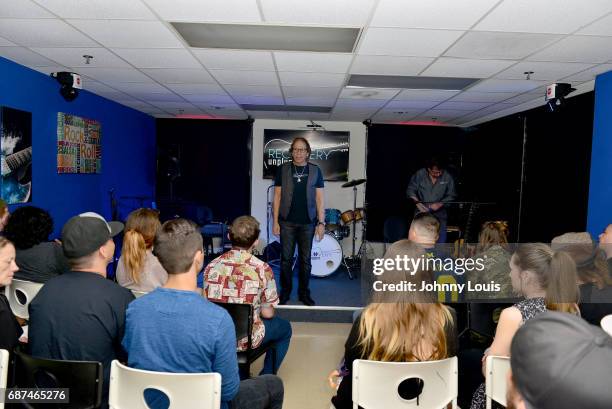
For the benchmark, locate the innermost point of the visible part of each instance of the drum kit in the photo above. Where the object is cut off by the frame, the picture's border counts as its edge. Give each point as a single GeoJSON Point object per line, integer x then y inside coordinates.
{"type": "Point", "coordinates": [327, 254]}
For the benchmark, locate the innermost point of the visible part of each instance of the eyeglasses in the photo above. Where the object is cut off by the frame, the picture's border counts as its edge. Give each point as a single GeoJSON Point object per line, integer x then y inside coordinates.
{"type": "Point", "coordinates": [299, 150]}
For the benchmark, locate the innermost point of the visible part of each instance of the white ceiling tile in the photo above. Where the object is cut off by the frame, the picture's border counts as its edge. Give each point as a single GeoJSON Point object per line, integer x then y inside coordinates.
{"type": "Point", "coordinates": [235, 59]}
{"type": "Point", "coordinates": [73, 57]}
{"type": "Point", "coordinates": [577, 49]}
{"type": "Point", "coordinates": [369, 93]}
{"type": "Point", "coordinates": [227, 11]}
{"type": "Point", "coordinates": [268, 115]}
{"type": "Point", "coordinates": [129, 33]}
{"type": "Point", "coordinates": [491, 97]}
{"type": "Point", "coordinates": [245, 77]}
{"type": "Point", "coordinates": [312, 62]}
{"type": "Point", "coordinates": [495, 45]}
{"type": "Point", "coordinates": [495, 108]}
{"type": "Point", "coordinates": [99, 9]}
{"type": "Point", "coordinates": [337, 12]}
{"type": "Point", "coordinates": [22, 9]}
{"type": "Point", "coordinates": [6, 43]}
{"type": "Point", "coordinates": [136, 104]}
{"type": "Point", "coordinates": [307, 79]}
{"type": "Point", "coordinates": [407, 42]}
{"type": "Point", "coordinates": [425, 95]}
{"type": "Point", "coordinates": [191, 89]}
{"type": "Point", "coordinates": [590, 74]}
{"type": "Point", "coordinates": [157, 96]}
{"type": "Point", "coordinates": [152, 111]}
{"type": "Point", "coordinates": [526, 97]}
{"type": "Point", "coordinates": [186, 111]}
{"type": "Point", "coordinates": [387, 65]}
{"type": "Point", "coordinates": [24, 56]}
{"type": "Point", "coordinates": [441, 14]}
{"type": "Point", "coordinates": [260, 100]}
{"type": "Point", "coordinates": [158, 58]}
{"type": "Point", "coordinates": [254, 90]}
{"type": "Point", "coordinates": [166, 105]}
{"type": "Point", "coordinates": [42, 33]}
{"type": "Point", "coordinates": [443, 113]}
{"type": "Point", "coordinates": [410, 105]}
{"type": "Point", "coordinates": [53, 68]}
{"type": "Point", "coordinates": [116, 75]}
{"type": "Point", "coordinates": [497, 85]}
{"type": "Point", "coordinates": [227, 114]}
{"type": "Point", "coordinates": [309, 115]}
{"type": "Point", "coordinates": [97, 87]}
{"type": "Point", "coordinates": [152, 87]}
{"type": "Point", "coordinates": [219, 107]}
{"type": "Point", "coordinates": [544, 16]}
{"type": "Point", "coordinates": [466, 68]}
{"type": "Point", "coordinates": [360, 103]}
{"type": "Point", "coordinates": [543, 70]}
{"type": "Point", "coordinates": [311, 101]}
{"type": "Point", "coordinates": [179, 75]}
{"type": "Point", "coordinates": [602, 27]}
{"type": "Point", "coordinates": [311, 92]}
{"type": "Point", "coordinates": [463, 106]}
{"type": "Point", "coordinates": [209, 99]}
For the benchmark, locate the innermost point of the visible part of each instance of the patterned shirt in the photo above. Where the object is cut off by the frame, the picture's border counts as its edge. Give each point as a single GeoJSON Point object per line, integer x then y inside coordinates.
{"type": "Point", "coordinates": [241, 278]}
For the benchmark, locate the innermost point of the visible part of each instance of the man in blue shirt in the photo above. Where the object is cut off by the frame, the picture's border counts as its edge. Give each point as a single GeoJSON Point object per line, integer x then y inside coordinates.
{"type": "Point", "coordinates": [174, 329]}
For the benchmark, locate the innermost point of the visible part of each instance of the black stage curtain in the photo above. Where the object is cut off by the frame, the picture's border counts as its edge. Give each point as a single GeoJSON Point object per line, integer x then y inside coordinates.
{"type": "Point", "coordinates": [486, 161]}
{"type": "Point", "coordinates": [213, 158]}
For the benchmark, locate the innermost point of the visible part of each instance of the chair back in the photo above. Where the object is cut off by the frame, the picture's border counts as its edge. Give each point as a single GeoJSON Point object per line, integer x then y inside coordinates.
{"type": "Point", "coordinates": [242, 315]}
{"type": "Point", "coordinates": [606, 324]}
{"type": "Point", "coordinates": [376, 384]}
{"type": "Point", "coordinates": [496, 369]}
{"type": "Point", "coordinates": [184, 390]}
{"type": "Point", "coordinates": [20, 294]}
{"type": "Point", "coordinates": [83, 378]}
{"type": "Point", "coordinates": [4, 360]}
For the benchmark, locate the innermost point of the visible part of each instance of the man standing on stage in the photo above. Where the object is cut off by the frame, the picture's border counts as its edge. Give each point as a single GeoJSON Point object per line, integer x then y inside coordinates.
{"type": "Point", "coordinates": [430, 188]}
{"type": "Point", "coordinates": [298, 214]}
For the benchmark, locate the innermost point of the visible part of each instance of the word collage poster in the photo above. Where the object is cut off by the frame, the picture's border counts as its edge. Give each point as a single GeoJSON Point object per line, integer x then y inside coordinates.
{"type": "Point", "coordinates": [79, 144]}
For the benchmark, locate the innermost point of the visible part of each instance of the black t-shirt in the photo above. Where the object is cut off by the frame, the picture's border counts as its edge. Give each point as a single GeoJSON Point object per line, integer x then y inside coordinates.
{"type": "Point", "coordinates": [10, 330]}
{"type": "Point", "coordinates": [299, 202]}
{"type": "Point", "coordinates": [79, 316]}
{"type": "Point", "coordinates": [595, 303]}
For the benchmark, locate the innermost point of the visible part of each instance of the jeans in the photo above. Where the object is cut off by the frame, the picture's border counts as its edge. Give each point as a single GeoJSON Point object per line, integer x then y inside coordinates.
{"type": "Point", "coordinates": [263, 392]}
{"type": "Point", "coordinates": [290, 235]}
{"type": "Point", "coordinates": [278, 331]}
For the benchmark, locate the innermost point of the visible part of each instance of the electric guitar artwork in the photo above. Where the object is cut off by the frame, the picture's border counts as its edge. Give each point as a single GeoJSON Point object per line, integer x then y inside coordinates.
{"type": "Point", "coordinates": [16, 180]}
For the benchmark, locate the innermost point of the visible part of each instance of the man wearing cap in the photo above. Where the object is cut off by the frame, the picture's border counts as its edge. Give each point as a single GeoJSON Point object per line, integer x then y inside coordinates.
{"type": "Point", "coordinates": [80, 315]}
{"type": "Point", "coordinates": [559, 361]}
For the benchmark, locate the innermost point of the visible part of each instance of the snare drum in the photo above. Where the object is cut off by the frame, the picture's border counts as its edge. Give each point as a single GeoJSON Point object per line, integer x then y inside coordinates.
{"type": "Point", "coordinates": [340, 232]}
{"type": "Point", "coordinates": [326, 256]}
{"type": "Point", "coordinates": [347, 216]}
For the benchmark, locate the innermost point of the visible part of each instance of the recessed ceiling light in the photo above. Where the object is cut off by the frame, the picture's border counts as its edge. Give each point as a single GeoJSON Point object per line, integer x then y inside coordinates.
{"type": "Point", "coordinates": [406, 82]}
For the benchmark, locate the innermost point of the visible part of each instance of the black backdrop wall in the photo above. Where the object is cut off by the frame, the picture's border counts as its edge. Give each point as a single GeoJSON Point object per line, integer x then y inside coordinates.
{"type": "Point", "coordinates": [488, 162]}
{"type": "Point", "coordinates": [212, 166]}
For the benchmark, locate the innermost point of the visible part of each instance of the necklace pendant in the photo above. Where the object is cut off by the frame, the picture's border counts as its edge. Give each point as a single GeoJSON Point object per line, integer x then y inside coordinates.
{"type": "Point", "coordinates": [299, 180]}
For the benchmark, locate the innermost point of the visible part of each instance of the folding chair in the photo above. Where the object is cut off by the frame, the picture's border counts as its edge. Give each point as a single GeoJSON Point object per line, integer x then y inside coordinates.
{"type": "Point", "coordinates": [20, 294]}
{"type": "Point", "coordinates": [606, 324]}
{"type": "Point", "coordinates": [496, 369]}
{"type": "Point", "coordinates": [184, 390]}
{"type": "Point", "coordinates": [377, 385]}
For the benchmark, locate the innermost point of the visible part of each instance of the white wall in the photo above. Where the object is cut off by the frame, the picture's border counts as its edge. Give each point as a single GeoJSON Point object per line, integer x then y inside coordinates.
{"type": "Point", "coordinates": [335, 196]}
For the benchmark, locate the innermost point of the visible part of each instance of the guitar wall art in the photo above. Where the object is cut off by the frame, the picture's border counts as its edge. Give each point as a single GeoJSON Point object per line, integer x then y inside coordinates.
{"type": "Point", "coordinates": [16, 155]}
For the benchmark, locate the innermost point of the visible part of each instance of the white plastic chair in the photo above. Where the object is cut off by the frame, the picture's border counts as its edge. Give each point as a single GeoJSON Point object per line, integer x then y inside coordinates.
{"type": "Point", "coordinates": [606, 324]}
{"type": "Point", "coordinates": [375, 384]}
{"type": "Point", "coordinates": [138, 294]}
{"type": "Point", "coordinates": [496, 370]}
{"type": "Point", "coordinates": [4, 360]}
{"type": "Point", "coordinates": [28, 290]}
{"type": "Point", "coordinates": [184, 390]}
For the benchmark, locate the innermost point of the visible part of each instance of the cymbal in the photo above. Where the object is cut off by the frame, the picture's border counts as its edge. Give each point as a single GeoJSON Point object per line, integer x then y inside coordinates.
{"type": "Point", "coordinates": [354, 182]}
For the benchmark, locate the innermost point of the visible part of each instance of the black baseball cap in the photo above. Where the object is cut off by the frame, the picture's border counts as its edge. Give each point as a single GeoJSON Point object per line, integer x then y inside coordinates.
{"type": "Point", "coordinates": [559, 361]}
{"type": "Point", "coordinates": [87, 232]}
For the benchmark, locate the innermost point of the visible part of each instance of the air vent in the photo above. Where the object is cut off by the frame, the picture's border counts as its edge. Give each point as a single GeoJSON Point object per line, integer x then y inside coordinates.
{"type": "Point", "coordinates": [286, 108]}
{"type": "Point", "coordinates": [269, 37]}
{"type": "Point", "coordinates": [396, 81]}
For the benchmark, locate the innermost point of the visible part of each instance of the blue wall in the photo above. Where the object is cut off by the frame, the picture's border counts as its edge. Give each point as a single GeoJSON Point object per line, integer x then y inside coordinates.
{"type": "Point", "coordinates": [128, 145]}
{"type": "Point", "coordinates": [600, 188]}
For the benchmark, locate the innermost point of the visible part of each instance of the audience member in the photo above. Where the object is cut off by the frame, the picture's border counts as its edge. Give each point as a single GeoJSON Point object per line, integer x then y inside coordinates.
{"type": "Point", "coordinates": [492, 249]}
{"type": "Point", "coordinates": [174, 329]}
{"type": "Point", "coordinates": [10, 330]}
{"type": "Point", "coordinates": [547, 281]}
{"type": "Point", "coordinates": [424, 230]}
{"type": "Point", "coordinates": [594, 280]}
{"type": "Point", "coordinates": [239, 277]}
{"type": "Point", "coordinates": [138, 268]}
{"type": "Point", "coordinates": [605, 243]}
{"type": "Point", "coordinates": [80, 315]}
{"type": "Point", "coordinates": [4, 215]}
{"type": "Point", "coordinates": [398, 326]}
{"type": "Point", "coordinates": [39, 259]}
{"type": "Point", "coordinates": [558, 361]}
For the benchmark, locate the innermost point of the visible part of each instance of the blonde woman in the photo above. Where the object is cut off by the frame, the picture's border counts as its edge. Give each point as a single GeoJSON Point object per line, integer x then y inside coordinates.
{"type": "Point", "coordinates": [10, 330]}
{"type": "Point", "coordinates": [400, 326]}
{"type": "Point", "coordinates": [138, 268]}
{"type": "Point", "coordinates": [547, 280]}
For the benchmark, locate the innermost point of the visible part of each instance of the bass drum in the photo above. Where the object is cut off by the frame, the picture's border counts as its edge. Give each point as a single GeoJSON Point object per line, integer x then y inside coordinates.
{"type": "Point", "coordinates": [326, 256]}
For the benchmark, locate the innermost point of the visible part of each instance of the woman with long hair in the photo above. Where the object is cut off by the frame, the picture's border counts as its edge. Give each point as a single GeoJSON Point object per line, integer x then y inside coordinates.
{"type": "Point", "coordinates": [138, 267]}
{"type": "Point", "coordinates": [547, 281]}
{"type": "Point", "coordinates": [399, 326]}
{"type": "Point", "coordinates": [10, 330]}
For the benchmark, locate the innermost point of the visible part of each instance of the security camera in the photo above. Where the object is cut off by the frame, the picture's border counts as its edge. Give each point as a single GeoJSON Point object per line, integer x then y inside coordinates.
{"type": "Point", "coordinates": [70, 84]}
{"type": "Point", "coordinates": [555, 95]}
